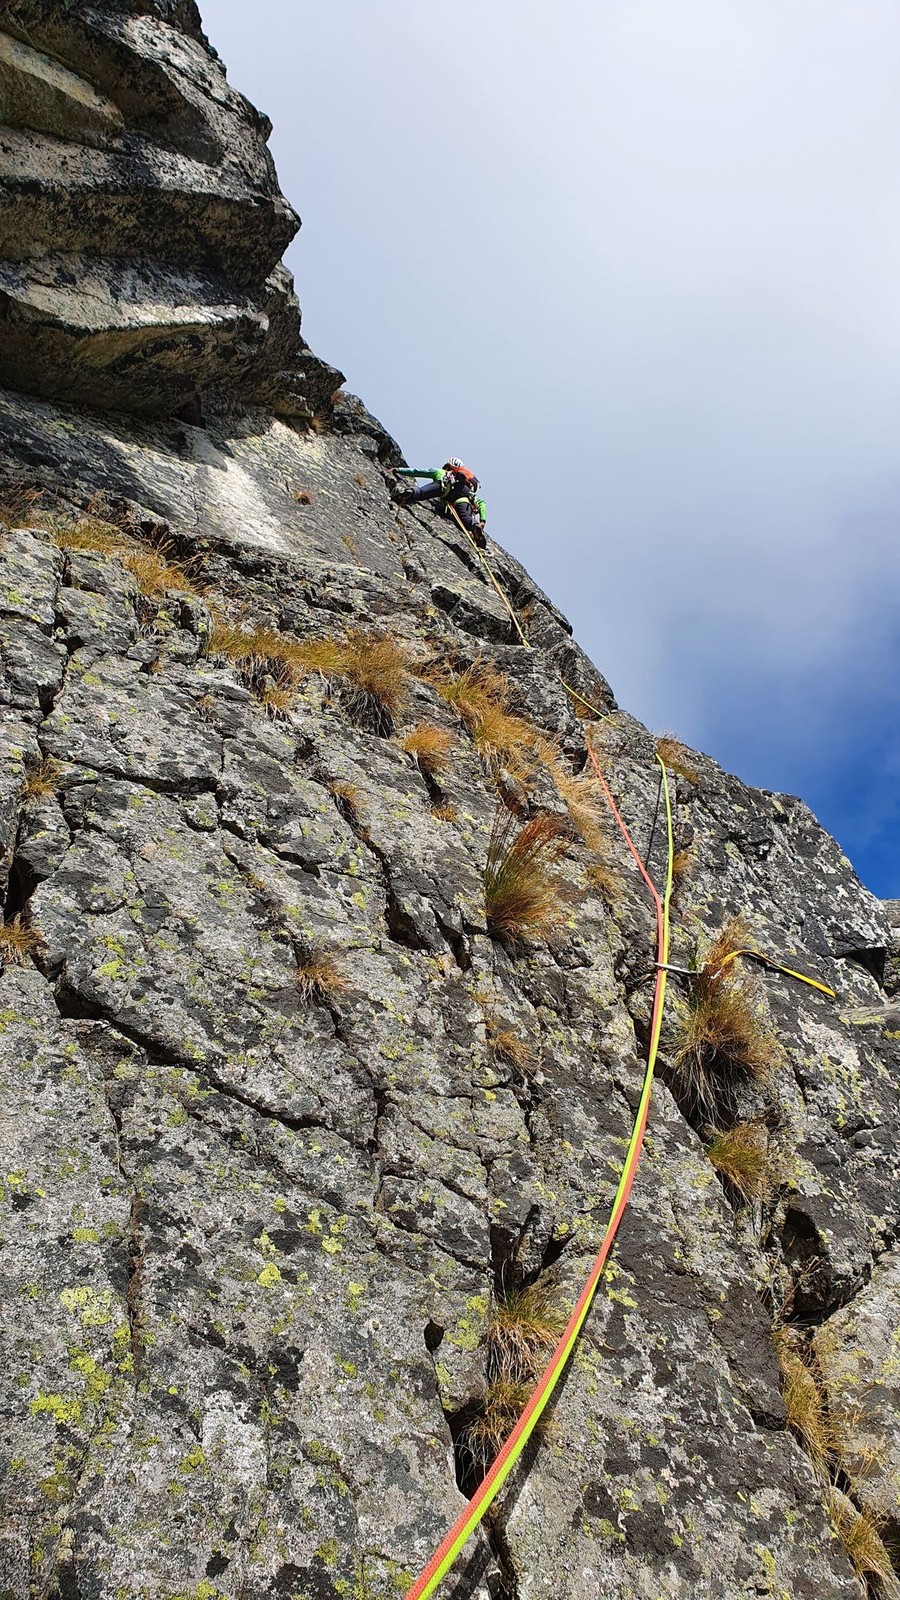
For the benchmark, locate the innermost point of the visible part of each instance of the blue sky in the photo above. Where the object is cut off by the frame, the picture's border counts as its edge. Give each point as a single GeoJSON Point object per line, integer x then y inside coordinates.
{"type": "Point", "coordinates": [639, 264]}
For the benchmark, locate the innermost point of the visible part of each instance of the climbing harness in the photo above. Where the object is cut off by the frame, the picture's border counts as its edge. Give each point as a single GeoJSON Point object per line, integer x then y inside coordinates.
{"type": "Point", "coordinates": [473, 1513]}
{"type": "Point", "coordinates": [601, 716]}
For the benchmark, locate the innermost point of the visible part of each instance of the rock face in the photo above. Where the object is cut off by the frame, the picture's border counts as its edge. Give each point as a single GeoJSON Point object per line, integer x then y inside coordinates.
{"type": "Point", "coordinates": [283, 1118]}
{"type": "Point", "coordinates": [142, 223]}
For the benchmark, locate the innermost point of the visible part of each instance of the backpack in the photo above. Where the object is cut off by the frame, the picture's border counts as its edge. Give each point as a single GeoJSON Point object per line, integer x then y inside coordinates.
{"type": "Point", "coordinates": [459, 481]}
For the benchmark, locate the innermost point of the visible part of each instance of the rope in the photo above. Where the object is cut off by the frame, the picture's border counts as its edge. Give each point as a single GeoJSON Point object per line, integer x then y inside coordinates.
{"type": "Point", "coordinates": [463, 529]}
{"type": "Point", "coordinates": [757, 955]}
{"type": "Point", "coordinates": [602, 716]}
{"type": "Point", "coordinates": [472, 1514]}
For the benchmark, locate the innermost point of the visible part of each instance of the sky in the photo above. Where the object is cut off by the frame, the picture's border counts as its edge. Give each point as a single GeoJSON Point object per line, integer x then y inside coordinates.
{"type": "Point", "coordinates": [639, 265]}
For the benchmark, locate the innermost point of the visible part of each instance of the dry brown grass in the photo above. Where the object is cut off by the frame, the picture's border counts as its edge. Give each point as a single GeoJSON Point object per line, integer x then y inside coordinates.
{"type": "Point", "coordinates": [303, 497]}
{"type": "Point", "coordinates": [154, 572]}
{"type": "Point", "coordinates": [41, 780]}
{"type": "Point", "coordinates": [20, 507]}
{"type": "Point", "coordinates": [318, 976]}
{"type": "Point", "coordinates": [153, 568]}
{"type": "Point", "coordinates": [741, 1155]}
{"type": "Point", "coordinates": [507, 1045]}
{"type": "Point", "coordinates": [90, 534]}
{"type": "Point", "coordinates": [480, 696]}
{"type": "Point", "coordinates": [372, 666]}
{"type": "Point", "coordinates": [523, 896]}
{"type": "Point", "coordinates": [497, 1410]}
{"type": "Point", "coordinates": [349, 800]}
{"type": "Point", "coordinates": [206, 707]}
{"type": "Point", "coordinates": [18, 941]}
{"type": "Point", "coordinates": [721, 1034]}
{"type": "Point", "coordinates": [278, 695]}
{"type": "Point", "coordinates": [583, 800]}
{"type": "Point", "coordinates": [525, 1327]}
{"type": "Point", "coordinates": [429, 746]}
{"type": "Point", "coordinates": [805, 1401]}
{"type": "Point", "coordinates": [858, 1532]}
{"type": "Point", "coordinates": [682, 866]}
{"type": "Point", "coordinates": [264, 660]}
{"type": "Point", "coordinates": [676, 757]}
{"type": "Point", "coordinates": [445, 812]}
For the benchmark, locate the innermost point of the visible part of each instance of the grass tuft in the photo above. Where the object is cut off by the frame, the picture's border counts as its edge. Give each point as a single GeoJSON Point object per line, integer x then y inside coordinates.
{"type": "Point", "coordinates": [805, 1401]}
{"type": "Point", "coordinates": [583, 801]}
{"type": "Point", "coordinates": [90, 534]}
{"type": "Point", "coordinates": [858, 1532]}
{"type": "Point", "coordinates": [480, 696]}
{"type": "Point", "coordinates": [676, 757]}
{"type": "Point", "coordinates": [721, 1034]}
{"type": "Point", "coordinates": [348, 798]}
{"type": "Point", "coordinates": [429, 746]}
{"type": "Point", "coordinates": [741, 1156]}
{"type": "Point", "coordinates": [496, 1412]}
{"type": "Point", "coordinates": [445, 812]}
{"type": "Point", "coordinates": [41, 780]}
{"type": "Point", "coordinates": [151, 566]}
{"type": "Point", "coordinates": [525, 1327]}
{"type": "Point", "coordinates": [523, 896]}
{"type": "Point", "coordinates": [682, 866]}
{"type": "Point", "coordinates": [319, 977]}
{"type": "Point", "coordinates": [372, 666]}
{"type": "Point", "coordinates": [264, 660]}
{"type": "Point", "coordinates": [507, 1045]}
{"type": "Point", "coordinates": [18, 940]}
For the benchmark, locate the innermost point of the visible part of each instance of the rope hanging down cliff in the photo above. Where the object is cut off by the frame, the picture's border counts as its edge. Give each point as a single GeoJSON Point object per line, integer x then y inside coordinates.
{"type": "Point", "coordinates": [601, 716]}
{"type": "Point", "coordinates": [469, 1519]}
{"type": "Point", "coordinates": [751, 953]}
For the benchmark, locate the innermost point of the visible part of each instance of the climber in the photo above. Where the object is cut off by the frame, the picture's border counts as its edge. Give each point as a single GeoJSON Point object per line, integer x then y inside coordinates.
{"type": "Point", "coordinates": [456, 488]}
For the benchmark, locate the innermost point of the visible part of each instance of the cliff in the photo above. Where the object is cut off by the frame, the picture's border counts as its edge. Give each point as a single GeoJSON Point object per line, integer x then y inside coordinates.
{"type": "Point", "coordinates": [297, 1116]}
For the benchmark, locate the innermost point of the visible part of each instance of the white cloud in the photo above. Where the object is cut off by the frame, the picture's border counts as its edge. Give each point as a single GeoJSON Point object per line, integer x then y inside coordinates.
{"type": "Point", "coordinates": [640, 262]}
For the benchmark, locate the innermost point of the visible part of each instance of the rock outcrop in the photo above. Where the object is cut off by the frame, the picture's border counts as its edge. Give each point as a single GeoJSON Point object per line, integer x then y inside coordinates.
{"type": "Point", "coordinates": [142, 224]}
{"type": "Point", "coordinates": [282, 1114]}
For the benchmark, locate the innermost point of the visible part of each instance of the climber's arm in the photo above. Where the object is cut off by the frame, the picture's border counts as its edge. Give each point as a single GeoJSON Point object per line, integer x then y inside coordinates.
{"type": "Point", "coordinates": [415, 472]}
